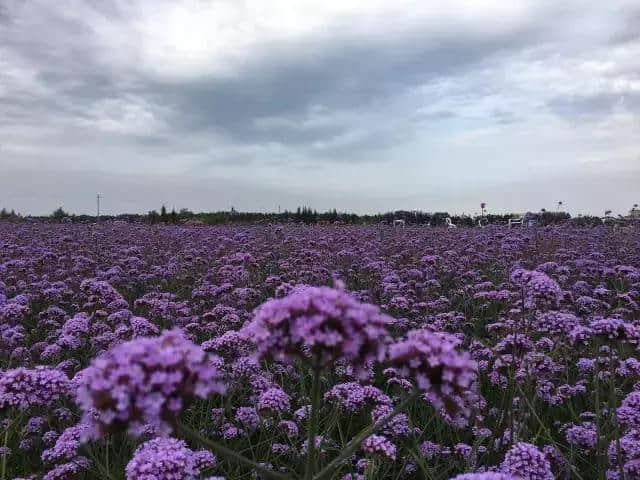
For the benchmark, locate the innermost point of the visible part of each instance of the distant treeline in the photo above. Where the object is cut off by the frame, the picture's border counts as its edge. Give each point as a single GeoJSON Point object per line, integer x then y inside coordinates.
{"type": "Point", "coordinates": [303, 215]}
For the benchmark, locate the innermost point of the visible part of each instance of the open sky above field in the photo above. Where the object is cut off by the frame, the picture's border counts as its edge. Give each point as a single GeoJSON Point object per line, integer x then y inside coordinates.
{"type": "Point", "coordinates": [362, 106]}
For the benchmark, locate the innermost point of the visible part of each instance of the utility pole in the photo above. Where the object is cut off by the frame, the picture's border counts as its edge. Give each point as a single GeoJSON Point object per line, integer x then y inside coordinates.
{"type": "Point", "coordinates": [98, 205]}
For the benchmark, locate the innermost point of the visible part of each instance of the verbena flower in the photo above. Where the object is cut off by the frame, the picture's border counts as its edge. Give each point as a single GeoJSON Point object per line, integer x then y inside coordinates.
{"type": "Point", "coordinates": [536, 285]}
{"type": "Point", "coordinates": [584, 435]}
{"type": "Point", "coordinates": [248, 417]}
{"type": "Point", "coordinates": [524, 461]}
{"type": "Point", "coordinates": [167, 459]}
{"type": "Point", "coordinates": [378, 444]}
{"type": "Point", "coordinates": [23, 388]}
{"type": "Point", "coordinates": [145, 381]}
{"type": "Point", "coordinates": [432, 360]}
{"type": "Point", "coordinates": [485, 476]}
{"type": "Point", "coordinates": [329, 323]}
{"type": "Point", "coordinates": [274, 400]}
{"type": "Point", "coordinates": [68, 470]}
{"type": "Point", "coordinates": [629, 410]}
{"type": "Point", "coordinates": [67, 444]}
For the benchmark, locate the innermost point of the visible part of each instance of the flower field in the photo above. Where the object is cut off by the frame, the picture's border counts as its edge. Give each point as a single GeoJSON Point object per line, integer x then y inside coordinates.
{"type": "Point", "coordinates": [144, 352]}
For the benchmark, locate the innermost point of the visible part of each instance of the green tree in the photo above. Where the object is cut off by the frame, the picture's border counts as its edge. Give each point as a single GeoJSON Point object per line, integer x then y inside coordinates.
{"type": "Point", "coordinates": [59, 214]}
{"type": "Point", "coordinates": [153, 217]}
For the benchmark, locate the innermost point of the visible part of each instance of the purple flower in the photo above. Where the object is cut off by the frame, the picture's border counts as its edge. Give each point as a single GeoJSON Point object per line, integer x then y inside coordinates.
{"type": "Point", "coordinates": [274, 400]}
{"type": "Point", "coordinates": [524, 461]}
{"type": "Point", "coordinates": [167, 459]}
{"type": "Point", "coordinates": [485, 476]}
{"type": "Point", "coordinates": [204, 459]}
{"type": "Point", "coordinates": [329, 323]}
{"type": "Point", "coordinates": [432, 360]}
{"type": "Point", "coordinates": [248, 417]}
{"type": "Point", "coordinates": [377, 444]}
{"type": "Point", "coordinates": [289, 428]}
{"type": "Point", "coordinates": [629, 410]}
{"type": "Point", "coordinates": [536, 285]}
{"type": "Point", "coordinates": [615, 329]}
{"type": "Point", "coordinates": [67, 444]}
{"type": "Point", "coordinates": [583, 436]}
{"type": "Point", "coordinates": [68, 470]}
{"type": "Point", "coordinates": [23, 388]}
{"type": "Point", "coordinates": [145, 381]}
{"type": "Point", "coordinates": [429, 449]}
{"type": "Point", "coordinates": [34, 425]}
{"type": "Point", "coordinates": [352, 396]}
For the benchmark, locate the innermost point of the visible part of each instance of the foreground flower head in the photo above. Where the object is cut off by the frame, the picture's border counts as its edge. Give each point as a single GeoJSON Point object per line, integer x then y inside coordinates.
{"type": "Point", "coordinates": [432, 360]}
{"type": "Point", "coordinates": [144, 382]}
{"type": "Point", "coordinates": [330, 323]}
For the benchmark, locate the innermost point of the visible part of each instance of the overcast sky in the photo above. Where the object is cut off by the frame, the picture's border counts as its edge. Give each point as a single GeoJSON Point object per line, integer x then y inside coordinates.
{"type": "Point", "coordinates": [356, 105]}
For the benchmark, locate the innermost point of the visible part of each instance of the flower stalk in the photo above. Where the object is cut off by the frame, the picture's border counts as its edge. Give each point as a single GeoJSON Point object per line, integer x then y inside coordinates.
{"type": "Point", "coordinates": [355, 443]}
{"type": "Point", "coordinates": [229, 454]}
{"type": "Point", "coordinates": [313, 425]}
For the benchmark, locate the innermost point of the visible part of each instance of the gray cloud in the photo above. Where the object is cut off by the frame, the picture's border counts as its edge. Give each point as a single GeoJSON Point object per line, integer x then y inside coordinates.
{"type": "Point", "coordinates": [365, 98]}
{"type": "Point", "coordinates": [597, 104]}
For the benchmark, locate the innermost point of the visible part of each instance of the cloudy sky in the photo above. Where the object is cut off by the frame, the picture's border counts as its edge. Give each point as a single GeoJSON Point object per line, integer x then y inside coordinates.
{"type": "Point", "coordinates": [355, 105]}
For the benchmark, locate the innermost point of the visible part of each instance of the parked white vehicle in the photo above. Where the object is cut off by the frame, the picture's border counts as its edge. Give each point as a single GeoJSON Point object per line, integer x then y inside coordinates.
{"type": "Point", "coordinates": [527, 220]}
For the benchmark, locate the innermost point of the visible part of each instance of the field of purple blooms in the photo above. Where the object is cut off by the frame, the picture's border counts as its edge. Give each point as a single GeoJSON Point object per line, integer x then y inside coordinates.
{"type": "Point", "coordinates": [318, 352]}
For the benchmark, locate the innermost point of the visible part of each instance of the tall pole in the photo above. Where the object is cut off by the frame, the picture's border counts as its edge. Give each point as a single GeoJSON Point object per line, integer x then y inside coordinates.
{"type": "Point", "coordinates": [98, 209]}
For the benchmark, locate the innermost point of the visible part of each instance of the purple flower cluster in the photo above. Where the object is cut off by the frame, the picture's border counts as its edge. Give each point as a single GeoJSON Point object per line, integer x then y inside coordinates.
{"type": "Point", "coordinates": [168, 459]}
{"type": "Point", "coordinates": [583, 436]}
{"type": "Point", "coordinates": [629, 410]}
{"type": "Point", "coordinates": [352, 396]}
{"type": "Point", "coordinates": [144, 382]}
{"type": "Point", "coordinates": [536, 285]}
{"type": "Point", "coordinates": [433, 361]}
{"type": "Point", "coordinates": [548, 315]}
{"type": "Point", "coordinates": [328, 323]}
{"type": "Point", "coordinates": [23, 388]}
{"type": "Point", "coordinates": [525, 461]}
{"type": "Point", "coordinates": [274, 400]}
{"type": "Point", "coordinates": [66, 445]}
{"type": "Point", "coordinates": [380, 445]}
{"type": "Point", "coordinates": [485, 476]}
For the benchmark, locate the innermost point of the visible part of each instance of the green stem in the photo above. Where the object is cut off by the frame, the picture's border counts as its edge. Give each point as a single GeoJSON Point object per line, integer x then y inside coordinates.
{"type": "Point", "coordinates": [103, 471]}
{"type": "Point", "coordinates": [228, 454]}
{"type": "Point", "coordinates": [598, 422]}
{"type": "Point", "coordinates": [4, 454]}
{"type": "Point", "coordinates": [354, 444]}
{"type": "Point", "coordinates": [548, 433]}
{"type": "Point", "coordinates": [613, 405]}
{"type": "Point", "coordinates": [106, 455]}
{"type": "Point", "coordinates": [313, 426]}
